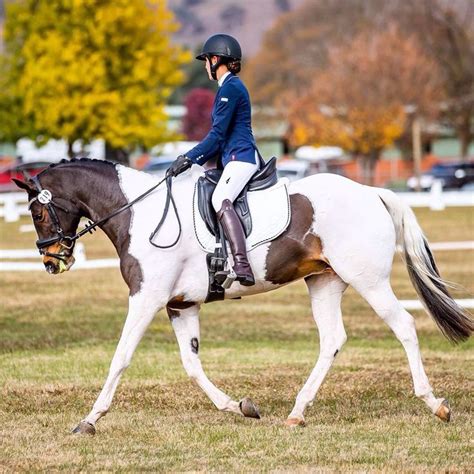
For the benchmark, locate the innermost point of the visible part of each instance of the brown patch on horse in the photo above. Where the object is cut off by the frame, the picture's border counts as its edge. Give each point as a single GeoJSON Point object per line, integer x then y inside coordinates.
{"type": "Point", "coordinates": [55, 248]}
{"type": "Point", "coordinates": [297, 252]}
{"type": "Point", "coordinates": [172, 313]}
{"type": "Point", "coordinates": [176, 304]}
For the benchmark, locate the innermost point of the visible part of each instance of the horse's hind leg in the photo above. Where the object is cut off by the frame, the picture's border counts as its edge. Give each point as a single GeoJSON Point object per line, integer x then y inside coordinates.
{"type": "Point", "coordinates": [387, 306]}
{"type": "Point", "coordinates": [326, 292]}
{"type": "Point", "coordinates": [185, 323]}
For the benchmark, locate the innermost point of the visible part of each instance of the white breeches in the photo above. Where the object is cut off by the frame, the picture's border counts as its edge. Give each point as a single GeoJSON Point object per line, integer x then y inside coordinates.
{"type": "Point", "coordinates": [235, 176]}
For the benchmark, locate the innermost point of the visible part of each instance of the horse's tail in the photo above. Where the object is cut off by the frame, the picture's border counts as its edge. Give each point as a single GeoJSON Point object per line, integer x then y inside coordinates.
{"type": "Point", "coordinates": [454, 322]}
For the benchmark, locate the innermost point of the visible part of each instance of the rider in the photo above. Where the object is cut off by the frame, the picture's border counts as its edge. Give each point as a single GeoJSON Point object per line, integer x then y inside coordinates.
{"type": "Point", "coordinates": [230, 136]}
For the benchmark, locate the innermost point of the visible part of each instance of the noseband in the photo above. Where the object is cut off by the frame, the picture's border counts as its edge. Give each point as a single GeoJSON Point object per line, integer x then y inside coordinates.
{"type": "Point", "coordinates": [45, 198]}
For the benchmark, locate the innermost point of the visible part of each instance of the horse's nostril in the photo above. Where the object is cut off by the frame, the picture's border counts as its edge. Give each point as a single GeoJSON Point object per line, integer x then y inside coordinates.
{"type": "Point", "coordinates": [50, 267]}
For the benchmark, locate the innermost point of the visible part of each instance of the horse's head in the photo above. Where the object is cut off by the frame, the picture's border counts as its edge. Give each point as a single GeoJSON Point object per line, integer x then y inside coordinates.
{"type": "Point", "coordinates": [56, 220]}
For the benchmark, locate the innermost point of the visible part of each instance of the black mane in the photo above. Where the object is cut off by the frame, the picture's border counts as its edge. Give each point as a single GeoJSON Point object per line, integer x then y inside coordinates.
{"type": "Point", "coordinates": [78, 161]}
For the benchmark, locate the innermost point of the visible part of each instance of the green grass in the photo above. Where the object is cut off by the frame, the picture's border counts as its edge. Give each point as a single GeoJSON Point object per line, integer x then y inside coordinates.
{"type": "Point", "coordinates": [58, 334]}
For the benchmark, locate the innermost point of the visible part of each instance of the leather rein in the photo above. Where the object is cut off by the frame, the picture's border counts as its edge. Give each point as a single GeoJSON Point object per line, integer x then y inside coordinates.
{"type": "Point", "coordinates": [45, 198]}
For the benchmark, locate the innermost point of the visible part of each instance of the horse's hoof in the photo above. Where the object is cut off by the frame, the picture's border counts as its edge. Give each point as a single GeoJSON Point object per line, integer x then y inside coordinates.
{"type": "Point", "coordinates": [444, 411]}
{"type": "Point", "coordinates": [295, 422]}
{"type": "Point", "coordinates": [248, 408]}
{"type": "Point", "coordinates": [84, 427]}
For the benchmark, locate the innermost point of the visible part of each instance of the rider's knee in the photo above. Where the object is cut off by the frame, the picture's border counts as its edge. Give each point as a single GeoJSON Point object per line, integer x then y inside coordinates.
{"type": "Point", "coordinates": [217, 199]}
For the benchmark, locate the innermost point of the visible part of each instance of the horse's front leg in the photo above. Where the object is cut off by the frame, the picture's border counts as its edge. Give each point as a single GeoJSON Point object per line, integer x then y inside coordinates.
{"type": "Point", "coordinates": [141, 311]}
{"type": "Point", "coordinates": [185, 323]}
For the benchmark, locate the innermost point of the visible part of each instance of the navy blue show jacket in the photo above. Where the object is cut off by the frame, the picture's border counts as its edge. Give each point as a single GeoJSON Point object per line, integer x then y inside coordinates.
{"type": "Point", "coordinates": [231, 134]}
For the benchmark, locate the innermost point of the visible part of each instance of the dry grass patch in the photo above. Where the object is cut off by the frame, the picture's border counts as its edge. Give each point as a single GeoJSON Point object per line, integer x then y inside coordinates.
{"type": "Point", "coordinates": [58, 334]}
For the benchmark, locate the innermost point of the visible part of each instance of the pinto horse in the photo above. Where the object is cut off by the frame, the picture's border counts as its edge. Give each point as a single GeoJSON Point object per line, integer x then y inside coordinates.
{"type": "Point", "coordinates": [341, 233]}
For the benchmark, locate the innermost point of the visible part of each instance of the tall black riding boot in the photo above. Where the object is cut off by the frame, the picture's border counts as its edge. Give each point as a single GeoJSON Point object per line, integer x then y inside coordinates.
{"type": "Point", "coordinates": [234, 233]}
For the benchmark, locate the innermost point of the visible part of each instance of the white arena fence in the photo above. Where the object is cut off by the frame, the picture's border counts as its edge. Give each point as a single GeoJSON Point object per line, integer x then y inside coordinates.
{"type": "Point", "coordinates": [14, 205]}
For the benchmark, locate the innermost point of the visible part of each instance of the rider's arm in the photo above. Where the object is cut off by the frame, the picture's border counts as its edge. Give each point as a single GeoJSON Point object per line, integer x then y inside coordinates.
{"type": "Point", "coordinates": [223, 114]}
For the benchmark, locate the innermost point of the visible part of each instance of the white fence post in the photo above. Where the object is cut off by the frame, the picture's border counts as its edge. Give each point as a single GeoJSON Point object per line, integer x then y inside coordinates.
{"type": "Point", "coordinates": [13, 205]}
{"type": "Point", "coordinates": [11, 212]}
{"type": "Point", "coordinates": [436, 196]}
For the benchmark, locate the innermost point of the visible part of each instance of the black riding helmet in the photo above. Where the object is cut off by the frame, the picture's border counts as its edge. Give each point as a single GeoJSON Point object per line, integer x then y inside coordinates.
{"type": "Point", "coordinates": [225, 47]}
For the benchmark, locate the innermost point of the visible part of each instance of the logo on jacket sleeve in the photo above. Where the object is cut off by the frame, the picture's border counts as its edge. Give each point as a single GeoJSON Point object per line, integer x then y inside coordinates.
{"type": "Point", "coordinates": [224, 99]}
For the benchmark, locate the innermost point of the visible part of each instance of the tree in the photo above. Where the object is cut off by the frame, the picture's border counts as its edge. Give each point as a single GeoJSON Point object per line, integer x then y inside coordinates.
{"type": "Point", "coordinates": [195, 77]}
{"type": "Point", "coordinates": [91, 69]}
{"type": "Point", "coordinates": [197, 121]}
{"type": "Point", "coordinates": [297, 48]}
{"type": "Point", "coordinates": [358, 102]}
{"type": "Point", "coordinates": [446, 32]}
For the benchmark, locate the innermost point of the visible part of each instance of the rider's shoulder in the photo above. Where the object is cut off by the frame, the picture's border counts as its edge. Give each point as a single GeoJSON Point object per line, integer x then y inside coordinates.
{"type": "Point", "coordinates": [233, 85]}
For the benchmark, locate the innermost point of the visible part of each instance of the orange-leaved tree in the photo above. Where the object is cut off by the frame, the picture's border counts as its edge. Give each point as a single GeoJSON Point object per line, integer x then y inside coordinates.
{"type": "Point", "coordinates": [359, 100]}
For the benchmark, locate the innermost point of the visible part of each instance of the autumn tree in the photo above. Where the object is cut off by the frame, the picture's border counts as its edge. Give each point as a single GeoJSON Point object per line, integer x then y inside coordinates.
{"type": "Point", "coordinates": [297, 48]}
{"type": "Point", "coordinates": [359, 101]}
{"type": "Point", "coordinates": [445, 30]}
{"type": "Point", "coordinates": [88, 69]}
{"type": "Point", "coordinates": [197, 121]}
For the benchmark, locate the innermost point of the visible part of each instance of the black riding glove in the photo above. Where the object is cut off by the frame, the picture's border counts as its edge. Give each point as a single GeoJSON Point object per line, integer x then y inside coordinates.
{"type": "Point", "coordinates": [178, 166]}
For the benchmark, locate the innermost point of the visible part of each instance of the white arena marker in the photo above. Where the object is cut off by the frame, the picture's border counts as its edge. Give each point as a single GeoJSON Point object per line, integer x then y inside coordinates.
{"type": "Point", "coordinates": [416, 304]}
{"type": "Point", "coordinates": [32, 266]}
{"type": "Point", "coordinates": [19, 253]}
{"type": "Point", "coordinates": [27, 228]}
{"type": "Point", "coordinates": [466, 245]}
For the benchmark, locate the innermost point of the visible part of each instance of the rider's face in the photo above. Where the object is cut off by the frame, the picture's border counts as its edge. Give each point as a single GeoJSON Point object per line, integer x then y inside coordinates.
{"type": "Point", "coordinates": [208, 66]}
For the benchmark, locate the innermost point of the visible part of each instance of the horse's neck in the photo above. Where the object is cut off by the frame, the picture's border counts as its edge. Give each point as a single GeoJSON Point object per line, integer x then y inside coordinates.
{"type": "Point", "coordinates": [95, 189]}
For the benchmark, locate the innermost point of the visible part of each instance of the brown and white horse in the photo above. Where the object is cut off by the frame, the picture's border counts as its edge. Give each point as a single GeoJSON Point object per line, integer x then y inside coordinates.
{"type": "Point", "coordinates": [341, 233]}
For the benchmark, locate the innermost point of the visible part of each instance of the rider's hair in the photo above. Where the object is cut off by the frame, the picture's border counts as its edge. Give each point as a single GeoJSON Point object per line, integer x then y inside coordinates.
{"type": "Point", "coordinates": [234, 66]}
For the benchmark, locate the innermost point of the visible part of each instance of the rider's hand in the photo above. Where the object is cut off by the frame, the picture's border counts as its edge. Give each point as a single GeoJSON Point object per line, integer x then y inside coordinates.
{"type": "Point", "coordinates": [179, 165]}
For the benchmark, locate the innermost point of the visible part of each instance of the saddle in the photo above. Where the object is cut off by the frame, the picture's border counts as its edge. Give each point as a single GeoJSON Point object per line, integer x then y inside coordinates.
{"type": "Point", "coordinates": [263, 179]}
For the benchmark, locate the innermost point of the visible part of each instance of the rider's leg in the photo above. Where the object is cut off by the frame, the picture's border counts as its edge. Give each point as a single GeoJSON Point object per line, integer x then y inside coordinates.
{"type": "Point", "coordinates": [235, 176]}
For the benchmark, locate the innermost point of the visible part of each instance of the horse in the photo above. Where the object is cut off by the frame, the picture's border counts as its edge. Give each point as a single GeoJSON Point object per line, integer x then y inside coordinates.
{"type": "Point", "coordinates": [340, 233]}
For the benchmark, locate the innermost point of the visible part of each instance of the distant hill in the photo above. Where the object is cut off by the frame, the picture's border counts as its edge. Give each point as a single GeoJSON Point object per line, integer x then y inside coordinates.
{"type": "Point", "coordinates": [246, 19]}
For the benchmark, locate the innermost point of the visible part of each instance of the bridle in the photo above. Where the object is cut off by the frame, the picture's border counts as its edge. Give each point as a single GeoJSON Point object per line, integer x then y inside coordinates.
{"type": "Point", "coordinates": [45, 198]}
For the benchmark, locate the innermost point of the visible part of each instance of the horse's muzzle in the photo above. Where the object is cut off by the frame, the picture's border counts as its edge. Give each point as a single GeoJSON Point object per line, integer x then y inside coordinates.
{"type": "Point", "coordinates": [62, 263]}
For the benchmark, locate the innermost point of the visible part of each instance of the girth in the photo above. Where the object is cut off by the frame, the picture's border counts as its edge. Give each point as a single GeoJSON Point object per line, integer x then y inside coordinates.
{"type": "Point", "coordinates": [263, 179]}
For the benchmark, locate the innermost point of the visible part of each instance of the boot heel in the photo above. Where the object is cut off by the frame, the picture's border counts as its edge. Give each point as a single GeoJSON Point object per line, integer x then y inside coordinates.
{"type": "Point", "coordinates": [246, 280]}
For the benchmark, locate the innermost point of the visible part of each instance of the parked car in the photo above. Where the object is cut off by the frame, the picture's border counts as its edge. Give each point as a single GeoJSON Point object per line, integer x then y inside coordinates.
{"type": "Point", "coordinates": [15, 171]}
{"type": "Point", "coordinates": [292, 169]}
{"type": "Point", "coordinates": [158, 166]}
{"type": "Point", "coordinates": [451, 175]}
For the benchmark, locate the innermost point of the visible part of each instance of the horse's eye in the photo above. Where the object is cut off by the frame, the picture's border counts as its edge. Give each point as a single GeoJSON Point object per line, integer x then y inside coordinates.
{"type": "Point", "coordinates": [37, 217]}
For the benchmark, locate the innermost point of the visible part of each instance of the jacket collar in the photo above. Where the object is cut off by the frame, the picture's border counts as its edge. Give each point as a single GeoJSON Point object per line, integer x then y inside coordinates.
{"type": "Point", "coordinates": [224, 78]}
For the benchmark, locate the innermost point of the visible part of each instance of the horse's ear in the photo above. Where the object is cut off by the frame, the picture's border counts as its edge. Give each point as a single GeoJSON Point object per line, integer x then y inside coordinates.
{"type": "Point", "coordinates": [22, 185]}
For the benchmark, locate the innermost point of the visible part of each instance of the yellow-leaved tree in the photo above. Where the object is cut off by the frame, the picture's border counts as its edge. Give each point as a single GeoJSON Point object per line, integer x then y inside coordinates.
{"type": "Point", "coordinates": [88, 69]}
{"type": "Point", "coordinates": [359, 101]}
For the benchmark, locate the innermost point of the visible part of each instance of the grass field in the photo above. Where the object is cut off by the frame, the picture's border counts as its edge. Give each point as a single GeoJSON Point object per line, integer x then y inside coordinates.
{"type": "Point", "coordinates": [58, 334]}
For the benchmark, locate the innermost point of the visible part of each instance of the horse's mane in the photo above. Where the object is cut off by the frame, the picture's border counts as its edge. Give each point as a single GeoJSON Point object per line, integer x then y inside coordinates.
{"type": "Point", "coordinates": [78, 161]}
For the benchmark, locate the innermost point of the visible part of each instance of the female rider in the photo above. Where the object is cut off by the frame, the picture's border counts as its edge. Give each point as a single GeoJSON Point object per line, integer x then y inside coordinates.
{"type": "Point", "coordinates": [230, 136]}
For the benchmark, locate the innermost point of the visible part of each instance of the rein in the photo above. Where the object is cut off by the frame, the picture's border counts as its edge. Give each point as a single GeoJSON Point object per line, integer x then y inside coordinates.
{"type": "Point", "coordinates": [46, 199]}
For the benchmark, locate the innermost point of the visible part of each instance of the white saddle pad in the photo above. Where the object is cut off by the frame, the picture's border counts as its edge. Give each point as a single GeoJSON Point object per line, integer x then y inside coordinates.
{"type": "Point", "coordinates": [271, 214]}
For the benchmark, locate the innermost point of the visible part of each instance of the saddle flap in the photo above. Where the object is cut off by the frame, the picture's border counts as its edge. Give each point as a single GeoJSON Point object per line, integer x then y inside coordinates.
{"type": "Point", "coordinates": [205, 188]}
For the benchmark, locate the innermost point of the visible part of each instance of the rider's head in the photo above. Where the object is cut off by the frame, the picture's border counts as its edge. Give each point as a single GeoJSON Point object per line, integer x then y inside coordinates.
{"type": "Point", "coordinates": [221, 52]}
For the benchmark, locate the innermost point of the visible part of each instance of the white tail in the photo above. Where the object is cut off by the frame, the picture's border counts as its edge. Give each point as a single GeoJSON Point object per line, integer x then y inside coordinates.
{"type": "Point", "coordinates": [454, 322]}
